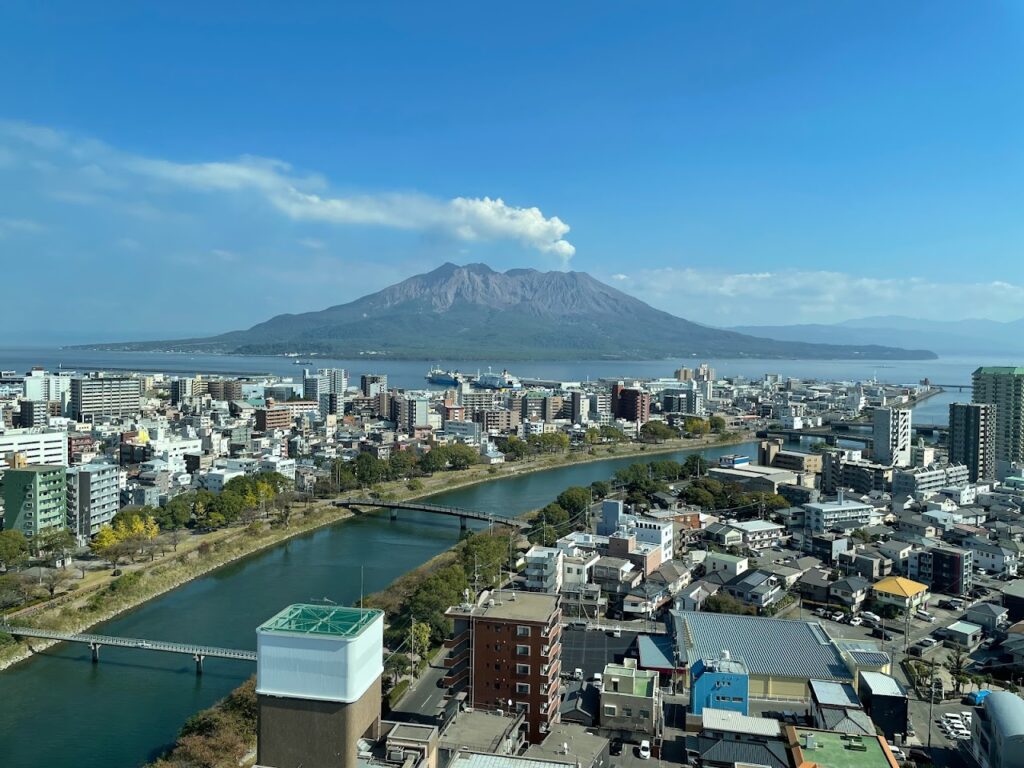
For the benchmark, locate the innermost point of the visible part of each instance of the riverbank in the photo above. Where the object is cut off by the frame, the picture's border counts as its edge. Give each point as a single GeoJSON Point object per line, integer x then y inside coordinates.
{"type": "Point", "coordinates": [88, 607]}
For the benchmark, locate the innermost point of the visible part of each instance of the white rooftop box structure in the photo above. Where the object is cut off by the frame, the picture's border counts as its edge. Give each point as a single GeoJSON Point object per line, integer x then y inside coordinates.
{"type": "Point", "coordinates": [320, 652]}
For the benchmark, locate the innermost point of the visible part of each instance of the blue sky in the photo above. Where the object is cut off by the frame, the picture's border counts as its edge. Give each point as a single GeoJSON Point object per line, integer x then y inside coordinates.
{"type": "Point", "coordinates": [168, 169]}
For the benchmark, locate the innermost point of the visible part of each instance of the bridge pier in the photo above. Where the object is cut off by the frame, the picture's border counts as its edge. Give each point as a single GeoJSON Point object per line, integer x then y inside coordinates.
{"type": "Point", "coordinates": [463, 523]}
{"type": "Point", "coordinates": [394, 513]}
{"type": "Point", "coordinates": [199, 663]}
{"type": "Point", "coordinates": [95, 648]}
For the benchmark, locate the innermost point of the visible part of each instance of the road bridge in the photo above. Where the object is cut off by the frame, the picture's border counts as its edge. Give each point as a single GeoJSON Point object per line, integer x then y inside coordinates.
{"type": "Point", "coordinates": [464, 515]}
{"type": "Point", "coordinates": [95, 642]}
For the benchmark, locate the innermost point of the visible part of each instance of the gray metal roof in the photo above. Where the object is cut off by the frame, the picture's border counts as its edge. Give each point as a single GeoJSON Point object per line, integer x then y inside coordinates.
{"type": "Point", "coordinates": [870, 658]}
{"type": "Point", "coordinates": [770, 647]}
{"type": "Point", "coordinates": [847, 720]}
{"type": "Point", "coordinates": [1006, 711]}
{"type": "Point", "coordinates": [882, 685]}
{"type": "Point", "coordinates": [829, 693]}
{"type": "Point", "coordinates": [771, 754]}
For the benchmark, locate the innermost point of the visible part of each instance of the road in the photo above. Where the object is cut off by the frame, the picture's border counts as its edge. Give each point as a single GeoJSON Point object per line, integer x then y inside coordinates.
{"type": "Point", "coordinates": [424, 697]}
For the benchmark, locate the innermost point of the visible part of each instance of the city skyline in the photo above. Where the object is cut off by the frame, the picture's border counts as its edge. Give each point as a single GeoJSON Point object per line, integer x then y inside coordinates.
{"type": "Point", "coordinates": [719, 163]}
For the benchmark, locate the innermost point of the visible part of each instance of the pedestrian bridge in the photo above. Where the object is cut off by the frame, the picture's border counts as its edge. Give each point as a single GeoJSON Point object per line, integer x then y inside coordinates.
{"type": "Point", "coordinates": [464, 515]}
{"type": "Point", "coordinates": [95, 642]}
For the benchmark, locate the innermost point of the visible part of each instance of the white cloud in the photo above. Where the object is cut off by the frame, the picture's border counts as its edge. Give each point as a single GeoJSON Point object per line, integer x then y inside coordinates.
{"type": "Point", "coordinates": [794, 296]}
{"type": "Point", "coordinates": [19, 226]}
{"type": "Point", "coordinates": [95, 170]}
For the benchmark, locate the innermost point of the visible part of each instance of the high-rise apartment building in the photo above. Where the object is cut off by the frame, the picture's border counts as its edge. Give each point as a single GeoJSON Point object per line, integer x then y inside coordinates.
{"type": "Point", "coordinates": [892, 435]}
{"type": "Point", "coordinates": [972, 428]}
{"type": "Point", "coordinates": [98, 396]}
{"type": "Point", "coordinates": [373, 384]}
{"type": "Point", "coordinates": [40, 385]}
{"type": "Point", "coordinates": [34, 499]}
{"type": "Point", "coordinates": [224, 389]}
{"type": "Point", "coordinates": [337, 380]}
{"type": "Point", "coordinates": [93, 497]}
{"type": "Point", "coordinates": [505, 652]}
{"type": "Point", "coordinates": [631, 404]}
{"type": "Point", "coordinates": [410, 411]}
{"type": "Point", "coordinates": [1003, 387]}
{"type": "Point", "coordinates": [314, 385]}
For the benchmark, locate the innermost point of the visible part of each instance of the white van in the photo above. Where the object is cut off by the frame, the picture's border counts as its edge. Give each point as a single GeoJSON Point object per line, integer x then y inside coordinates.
{"type": "Point", "coordinates": [925, 616]}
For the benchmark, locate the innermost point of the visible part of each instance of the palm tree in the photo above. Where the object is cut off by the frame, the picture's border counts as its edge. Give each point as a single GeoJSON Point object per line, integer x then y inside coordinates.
{"type": "Point", "coordinates": [956, 664]}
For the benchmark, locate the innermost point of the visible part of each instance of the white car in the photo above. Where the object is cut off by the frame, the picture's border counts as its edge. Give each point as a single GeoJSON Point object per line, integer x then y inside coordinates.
{"type": "Point", "coordinates": [897, 753]}
{"type": "Point", "coordinates": [871, 616]}
{"type": "Point", "coordinates": [645, 750]}
{"type": "Point", "coordinates": [856, 621]}
{"type": "Point", "coordinates": [837, 616]}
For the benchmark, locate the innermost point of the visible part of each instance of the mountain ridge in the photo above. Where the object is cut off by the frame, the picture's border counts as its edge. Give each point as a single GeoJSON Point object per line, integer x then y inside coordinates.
{"type": "Point", "coordinates": [473, 312]}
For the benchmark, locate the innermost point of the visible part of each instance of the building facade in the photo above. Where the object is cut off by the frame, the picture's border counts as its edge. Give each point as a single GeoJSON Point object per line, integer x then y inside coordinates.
{"type": "Point", "coordinates": [892, 436]}
{"type": "Point", "coordinates": [93, 498]}
{"type": "Point", "coordinates": [34, 499]}
{"type": "Point", "coordinates": [102, 396]}
{"type": "Point", "coordinates": [972, 433]}
{"type": "Point", "coordinates": [1003, 387]}
{"type": "Point", "coordinates": [505, 652]}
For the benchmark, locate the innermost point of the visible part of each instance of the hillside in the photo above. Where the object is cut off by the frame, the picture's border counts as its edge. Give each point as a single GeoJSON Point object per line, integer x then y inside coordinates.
{"type": "Point", "coordinates": [474, 312]}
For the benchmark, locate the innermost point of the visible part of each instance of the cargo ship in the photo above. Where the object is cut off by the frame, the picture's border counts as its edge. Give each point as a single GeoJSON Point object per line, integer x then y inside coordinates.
{"type": "Point", "coordinates": [503, 380]}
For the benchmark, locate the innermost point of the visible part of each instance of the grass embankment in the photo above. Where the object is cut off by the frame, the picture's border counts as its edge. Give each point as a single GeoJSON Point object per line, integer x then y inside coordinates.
{"type": "Point", "coordinates": [100, 597]}
{"type": "Point", "coordinates": [223, 736]}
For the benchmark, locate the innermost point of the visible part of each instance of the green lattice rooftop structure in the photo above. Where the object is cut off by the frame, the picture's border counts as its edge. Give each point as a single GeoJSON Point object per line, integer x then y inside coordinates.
{"type": "Point", "coordinates": [329, 620]}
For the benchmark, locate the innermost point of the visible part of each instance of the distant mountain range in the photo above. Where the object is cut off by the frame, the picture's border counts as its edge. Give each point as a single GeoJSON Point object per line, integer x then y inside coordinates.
{"type": "Point", "coordinates": [946, 337]}
{"type": "Point", "coordinates": [473, 312]}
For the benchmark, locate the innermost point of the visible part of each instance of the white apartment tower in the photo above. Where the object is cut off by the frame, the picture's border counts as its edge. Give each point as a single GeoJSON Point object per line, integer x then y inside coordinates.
{"type": "Point", "coordinates": [892, 435]}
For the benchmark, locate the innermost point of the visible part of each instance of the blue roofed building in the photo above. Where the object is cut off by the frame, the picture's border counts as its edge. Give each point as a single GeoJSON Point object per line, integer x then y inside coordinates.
{"type": "Point", "coordinates": [720, 683]}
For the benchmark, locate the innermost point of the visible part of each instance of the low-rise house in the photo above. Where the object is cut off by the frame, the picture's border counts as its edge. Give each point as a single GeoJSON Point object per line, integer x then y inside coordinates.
{"type": "Point", "coordinates": [673, 576]}
{"type": "Point", "coordinates": [758, 588]}
{"type": "Point", "coordinates": [850, 591]}
{"type": "Point", "coordinates": [992, 557]}
{"type": "Point", "coordinates": [728, 739]}
{"type": "Point", "coordinates": [835, 707]}
{"type": "Point", "coordinates": [963, 635]}
{"type": "Point", "coordinates": [630, 701]}
{"type": "Point", "coordinates": [692, 598]}
{"type": "Point", "coordinates": [904, 594]}
{"type": "Point", "coordinates": [728, 565]}
{"type": "Point", "coordinates": [814, 586]}
{"type": "Point", "coordinates": [724, 535]}
{"type": "Point", "coordinates": [988, 615]}
{"type": "Point", "coordinates": [759, 534]}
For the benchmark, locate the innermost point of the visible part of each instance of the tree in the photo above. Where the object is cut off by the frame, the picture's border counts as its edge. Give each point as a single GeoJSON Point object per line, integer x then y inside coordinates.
{"type": "Point", "coordinates": [13, 590]}
{"type": "Point", "coordinates": [656, 431]}
{"type": "Point", "coordinates": [54, 579]}
{"type": "Point", "coordinates": [696, 426]}
{"type": "Point", "coordinates": [370, 470]}
{"type": "Point", "coordinates": [176, 513]}
{"type": "Point", "coordinates": [695, 465]}
{"type": "Point", "coordinates": [397, 666]}
{"type": "Point", "coordinates": [420, 635]}
{"type": "Point", "coordinates": [13, 549]}
{"type": "Point", "coordinates": [435, 460]}
{"type": "Point", "coordinates": [461, 456]}
{"type": "Point", "coordinates": [956, 664]}
{"type": "Point", "coordinates": [592, 436]}
{"type": "Point", "coordinates": [720, 603]}
{"type": "Point", "coordinates": [574, 500]}
{"type": "Point", "coordinates": [612, 434]}
{"type": "Point", "coordinates": [600, 489]}
{"type": "Point", "coordinates": [513, 448]}
{"type": "Point", "coordinates": [716, 424]}
{"type": "Point", "coordinates": [54, 541]}
{"type": "Point", "coordinates": [402, 464]}
{"type": "Point", "coordinates": [106, 544]}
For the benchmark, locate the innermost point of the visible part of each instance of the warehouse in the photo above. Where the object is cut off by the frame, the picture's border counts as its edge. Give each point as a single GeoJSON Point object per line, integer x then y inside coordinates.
{"type": "Point", "coordinates": [781, 655]}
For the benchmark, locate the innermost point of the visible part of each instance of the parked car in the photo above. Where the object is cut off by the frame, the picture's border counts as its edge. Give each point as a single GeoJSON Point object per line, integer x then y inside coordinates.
{"type": "Point", "coordinates": [869, 616]}
{"type": "Point", "coordinates": [881, 634]}
{"type": "Point", "coordinates": [645, 750]}
{"type": "Point", "coordinates": [615, 748]}
{"type": "Point", "coordinates": [821, 612]}
{"type": "Point", "coordinates": [856, 621]}
{"type": "Point", "coordinates": [837, 616]}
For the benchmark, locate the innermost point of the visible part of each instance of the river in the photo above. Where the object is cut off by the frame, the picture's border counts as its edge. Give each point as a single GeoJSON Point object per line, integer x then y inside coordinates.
{"type": "Point", "coordinates": [58, 709]}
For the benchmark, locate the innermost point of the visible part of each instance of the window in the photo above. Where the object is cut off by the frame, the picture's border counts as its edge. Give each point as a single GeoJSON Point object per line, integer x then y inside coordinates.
{"type": "Point", "coordinates": [609, 710]}
{"type": "Point", "coordinates": [645, 714]}
{"type": "Point", "coordinates": [522, 706]}
{"type": "Point", "coordinates": [522, 669]}
{"type": "Point", "coordinates": [522, 650]}
{"type": "Point", "coordinates": [627, 711]}
{"type": "Point", "coordinates": [522, 631]}
{"type": "Point", "coordinates": [523, 688]}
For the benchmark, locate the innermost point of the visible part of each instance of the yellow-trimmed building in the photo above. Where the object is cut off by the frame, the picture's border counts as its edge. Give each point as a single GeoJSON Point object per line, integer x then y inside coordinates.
{"type": "Point", "coordinates": [902, 593]}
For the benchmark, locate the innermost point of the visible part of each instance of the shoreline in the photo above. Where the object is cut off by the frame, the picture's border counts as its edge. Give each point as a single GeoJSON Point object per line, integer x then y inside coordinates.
{"type": "Point", "coordinates": [327, 514]}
